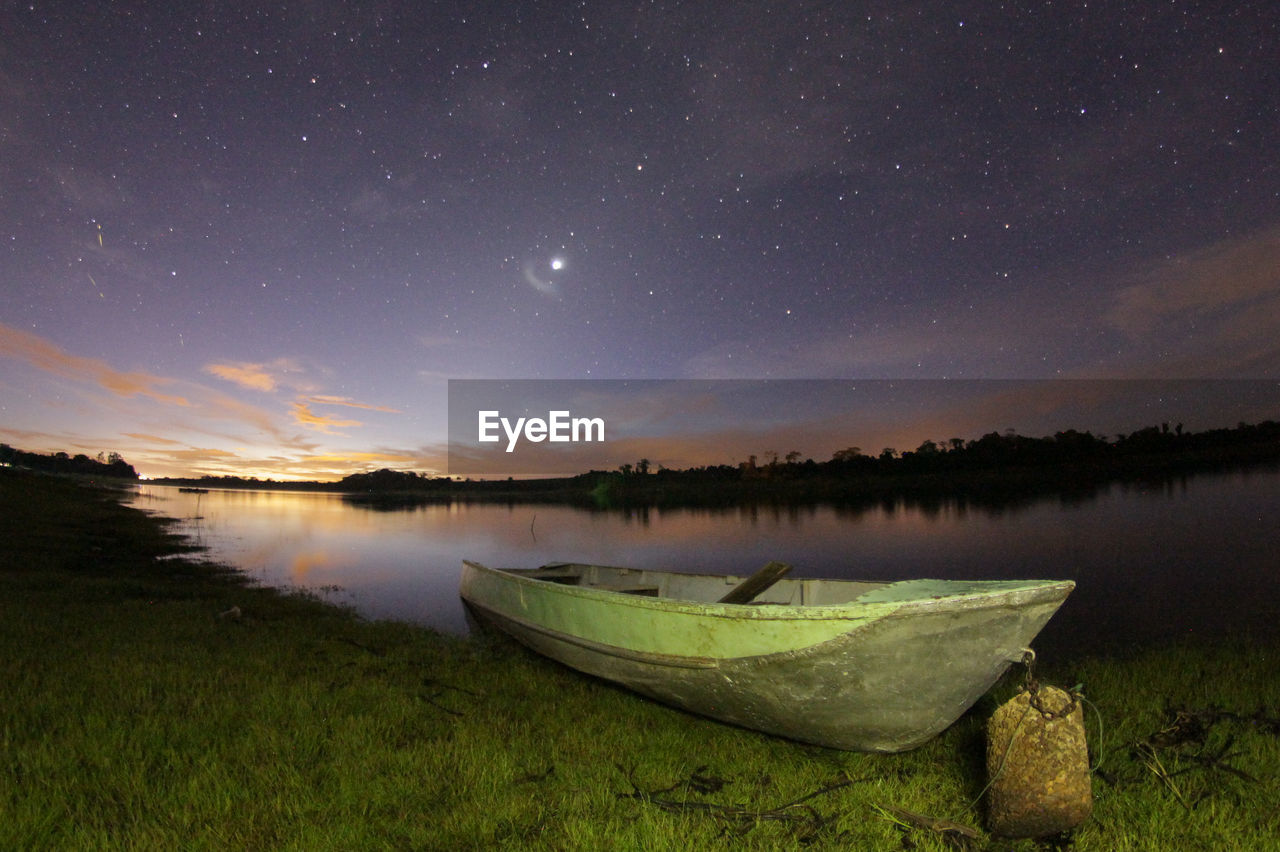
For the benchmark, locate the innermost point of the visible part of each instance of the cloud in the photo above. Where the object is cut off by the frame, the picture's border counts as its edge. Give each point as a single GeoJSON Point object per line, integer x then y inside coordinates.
{"type": "Point", "coordinates": [322, 399]}
{"type": "Point", "coordinates": [201, 456]}
{"type": "Point", "coordinates": [397, 458]}
{"type": "Point", "coordinates": [220, 408]}
{"type": "Point", "coordinates": [1215, 311]}
{"type": "Point", "coordinates": [37, 440]}
{"type": "Point", "coordinates": [252, 376]}
{"type": "Point", "coordinates": [47, 356]}
{"type": "Point", "coordinates": [151, 439]}
{"type": "Point", "coordinates": [303, 416]}
{"type": "Point", "coordinates": [1238, 274]}
{"type": "Point", "coordinates": [907, 349]}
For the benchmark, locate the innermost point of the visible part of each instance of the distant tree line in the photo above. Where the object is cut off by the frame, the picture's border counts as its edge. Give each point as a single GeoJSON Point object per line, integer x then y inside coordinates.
{"type": "Point", "coordinates": [1070, 448]}
{"type": "Point", "coordinates": [392, 480]}
{"type": "Point", "coordinates": [377, 480]}
{"type": "Point", "coordinates": [108, 464]}
{"type": "Point", "coordinates": [996, 462]}
{"type": "Point", "coordinates": [209, 480]}
{"type": "Point", "coordinates": [996, 450]}
{"type": "Point", "coordinates": [992, 462]}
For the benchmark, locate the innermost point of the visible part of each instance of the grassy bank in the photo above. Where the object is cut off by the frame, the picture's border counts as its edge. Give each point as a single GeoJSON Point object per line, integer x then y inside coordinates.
{"type": "Point", "coordinates": [153, 701]}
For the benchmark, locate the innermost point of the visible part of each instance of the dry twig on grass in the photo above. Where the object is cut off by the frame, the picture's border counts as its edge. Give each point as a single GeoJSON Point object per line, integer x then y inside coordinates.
{"type": "Point", "coordinates": [806, 819]}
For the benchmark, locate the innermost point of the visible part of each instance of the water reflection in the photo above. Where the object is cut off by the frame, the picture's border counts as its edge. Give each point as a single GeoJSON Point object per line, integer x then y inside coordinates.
{"type": "Point", "coordinates": [1183, 555]}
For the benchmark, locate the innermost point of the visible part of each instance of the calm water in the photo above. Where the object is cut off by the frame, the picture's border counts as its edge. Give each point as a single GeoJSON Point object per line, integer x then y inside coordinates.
{"type": "Point", "coordinates": [1190, 556]}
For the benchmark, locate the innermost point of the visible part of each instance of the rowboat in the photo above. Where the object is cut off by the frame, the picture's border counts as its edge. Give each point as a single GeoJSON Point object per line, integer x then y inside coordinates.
{"type": "Point", "coordinates": [864, 666]}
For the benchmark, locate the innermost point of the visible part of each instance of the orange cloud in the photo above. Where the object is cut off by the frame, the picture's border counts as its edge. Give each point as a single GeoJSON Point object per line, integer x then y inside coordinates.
{"type": "Point", "coordinates": [367, 458]}
{"type": "Point", "coordinates": [151, 439]}
{"type": "Point", "coordinates": [303, 416]}
{"type": "Point", "coordinates": [42, 354]}
{"type": "Point", "coordinates": [252, 376]}
{"type": "Point", "coordinates": [342, 400]}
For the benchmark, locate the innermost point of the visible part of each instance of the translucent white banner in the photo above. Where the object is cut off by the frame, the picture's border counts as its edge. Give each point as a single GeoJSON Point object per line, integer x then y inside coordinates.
{"type": "Point", "coordinates": [566, 427]}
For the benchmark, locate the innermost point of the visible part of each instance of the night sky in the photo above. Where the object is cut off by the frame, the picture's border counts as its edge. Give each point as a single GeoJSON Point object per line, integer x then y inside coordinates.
{"type": "Point", "coordinates": [259, 238]}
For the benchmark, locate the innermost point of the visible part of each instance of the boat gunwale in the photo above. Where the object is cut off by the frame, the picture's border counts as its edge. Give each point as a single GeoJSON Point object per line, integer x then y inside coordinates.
{"type": "Point", "coordinates": [856, 610]}
{"type": "Point", "coordinates": [650, 657]}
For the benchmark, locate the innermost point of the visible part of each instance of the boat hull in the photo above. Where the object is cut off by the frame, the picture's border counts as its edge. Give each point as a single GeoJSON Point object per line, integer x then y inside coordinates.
{"type": "Point", "coordinates": [884, 672]}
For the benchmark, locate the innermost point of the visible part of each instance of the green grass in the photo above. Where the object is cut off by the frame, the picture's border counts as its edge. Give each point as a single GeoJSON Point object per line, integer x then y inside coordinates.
{"type": "Point", "coordinates": [134, 716]}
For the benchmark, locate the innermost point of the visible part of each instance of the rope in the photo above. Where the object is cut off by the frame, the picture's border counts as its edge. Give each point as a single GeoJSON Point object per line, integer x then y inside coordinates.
{"type": "Point", "coordinates": [1098, 715]}
{"type": "Point", "coordinates": [1003, 759]}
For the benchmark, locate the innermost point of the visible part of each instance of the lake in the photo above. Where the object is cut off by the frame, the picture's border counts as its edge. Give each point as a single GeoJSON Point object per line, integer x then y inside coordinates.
{"type": "Point", "coordinates": [1186, 556]}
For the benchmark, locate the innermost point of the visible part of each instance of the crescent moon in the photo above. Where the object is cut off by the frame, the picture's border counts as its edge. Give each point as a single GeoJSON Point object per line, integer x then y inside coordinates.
{"type": "Point", "coordinates": [546, 288]}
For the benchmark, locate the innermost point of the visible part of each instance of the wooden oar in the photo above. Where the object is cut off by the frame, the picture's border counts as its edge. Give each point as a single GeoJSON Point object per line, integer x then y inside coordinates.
{"type": "Point", "coordinates": [746, 591]}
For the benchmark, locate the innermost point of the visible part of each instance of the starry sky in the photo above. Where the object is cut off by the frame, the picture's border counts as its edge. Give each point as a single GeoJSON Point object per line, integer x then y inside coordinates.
{"type": "Point", "coordinates": [259, 238]}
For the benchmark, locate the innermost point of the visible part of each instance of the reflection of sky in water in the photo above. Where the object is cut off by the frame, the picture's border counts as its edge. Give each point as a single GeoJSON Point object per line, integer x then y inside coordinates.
{"type": "Point", "coordinates": [1145, 558]}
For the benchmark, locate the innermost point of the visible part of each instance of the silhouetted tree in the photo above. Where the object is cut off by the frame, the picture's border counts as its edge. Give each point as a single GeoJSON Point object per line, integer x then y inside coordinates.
{"type": "Point", "coordinates": [60, 462]}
